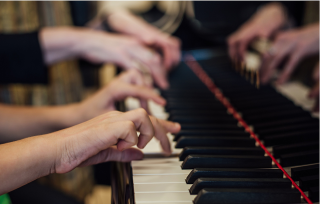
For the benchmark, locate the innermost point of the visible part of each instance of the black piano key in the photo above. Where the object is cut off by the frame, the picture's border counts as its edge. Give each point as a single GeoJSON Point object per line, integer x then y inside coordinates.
{"type": "Point", "coordinates": [247, 195]}
{"type": "Point", "coordinates": [232, 173]}
{"type": "Point", "coordinates": [260, 104]}
{"type": "Point", "coordinates": [211, 133]}
{"type": "Point", "coordinates": [308, 181]}
{"type": "Point", "coordinates": [255, 151]}
{"type": "Point", "coordinates": [209, 126]}
{"type": "Point", "coordinates": [301, 171]}
{"type": "Point", "coordinates": [202, 183]}
{"type": "Point", "coordinates": [191, 112]}
{"type": "Point", "coordinates": [201, 141]}
{"type": "Point", "coordinates": [204, 119]}
{"type": "Point", "coordinates": [223, 161]}
{"type": "Point", "coordinates": [197, 106]}
{"type": "Point", "coordinates": [313, 193]}
{"type": "Point", "coordinates": [289, 121]}
{"type": "Point", "coordinates": [292, 148]}
{"type": "Point", "coordinates": [289, 138]}
{"type": "Point", "coordinates": [198, 114]}
{"type": "Point", "coordinates": [287, 128]}
{"type": "Point", "coordinates": [299, 158]}
{"type": "Point", "coordinates": [271, 109]}
{"type": "Point", "coordinates": [280, 115]}
{"type": "Point", "coordinates": [192, 101]}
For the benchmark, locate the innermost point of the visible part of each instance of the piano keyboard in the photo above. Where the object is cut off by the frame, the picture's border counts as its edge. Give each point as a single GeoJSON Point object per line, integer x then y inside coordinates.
{"type": "Point", "coordinates": [219, 162]}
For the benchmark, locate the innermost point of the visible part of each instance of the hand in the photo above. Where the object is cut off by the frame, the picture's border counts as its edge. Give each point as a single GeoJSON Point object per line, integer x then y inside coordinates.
{"type": "Point", "coordinates": [62, 43]}
{"type": "Point", "coordinates": [127, 84]}
{"type": "Point", "coordinates": [294, 45]}
{"type": "Point", "coordinates": [124, 22]}
{"type": "Point", "coordinates": [93, 141]}
{"type": "Point", "coordinates": [314, 93]}
{"type": "Point", "coordinates": [262, 25]}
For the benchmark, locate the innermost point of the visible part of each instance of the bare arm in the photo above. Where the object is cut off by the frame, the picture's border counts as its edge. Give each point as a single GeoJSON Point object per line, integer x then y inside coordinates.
{"type": "Point", "coordinates": [62, 43]}
{"type": "Point", "coordinates": [85, 144]}
{"type": "Point", "coordinates": [20, 122]}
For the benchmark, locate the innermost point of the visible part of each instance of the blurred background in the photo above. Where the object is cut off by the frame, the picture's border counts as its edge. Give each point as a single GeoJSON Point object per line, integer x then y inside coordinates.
{"type": "Point", "coordinates": [197, 24]}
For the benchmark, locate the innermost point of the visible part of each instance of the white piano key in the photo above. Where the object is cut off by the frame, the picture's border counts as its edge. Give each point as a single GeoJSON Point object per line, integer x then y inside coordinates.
{"type": "Point", "coordinates": [162, 171]}
{"type": "Point", "coordinates": [160, 187]}
{"type": "Point", "coordinates": [154, 147]}
{"type": "Point", "coordinates": [164, 197]}
{"type": "Point", "coordinates": [159, 178]}
{"type": "Point", "coordinates": [166, 161]}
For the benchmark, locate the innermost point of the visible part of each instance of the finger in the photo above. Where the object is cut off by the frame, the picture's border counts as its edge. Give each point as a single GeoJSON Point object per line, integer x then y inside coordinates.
{"type": "Point", "coordinates": [160, 77]}
{"type": "Point", "coordinates": [167, 54]}
{"type": "Point", "coordinates": [127, 63]}
{"type": "Point", "coordinates": [113, 154]}
{"type": "Point", "coordinates": [152, 61]}
{"type": "Point", "coordinates": [142, 123]}
{"type": "Point", "coordinates": [169, 126]}
{"type": "Point", "coordinates": [132, 76]}
{"type": "Point", "coordinates": [129, 137]}
{"type": "Point", "coordinates": [315, 74]}
{"type": "Point", "coordinates": [144, 105]}
{"type": "Point", "coordinates": [316, 105]}
{"type": "Point", "coordinates": [242, 48]}
{"type": "Point", "coordinates": [273, 64]}
{"type": "Point", "coordinates": [176, 50]}
{"type": "Point", "coordinates": [161, 135]}
{"type": "Point", "coordinates": [289, 67]}
{"type": "Point", "coordinates": [314, 91]}
{"type": "Point", "coordinates": [140, 92]}
{"type": "Point", "coordinates": [232, 47]}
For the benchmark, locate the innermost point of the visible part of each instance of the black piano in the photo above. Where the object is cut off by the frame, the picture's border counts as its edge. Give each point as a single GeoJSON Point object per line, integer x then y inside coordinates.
{"type": "Point", "coordinates": [228, 130]}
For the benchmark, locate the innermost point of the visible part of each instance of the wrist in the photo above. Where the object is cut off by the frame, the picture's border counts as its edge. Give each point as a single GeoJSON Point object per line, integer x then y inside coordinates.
{"type": "Point", "coordinates": [60, 43]}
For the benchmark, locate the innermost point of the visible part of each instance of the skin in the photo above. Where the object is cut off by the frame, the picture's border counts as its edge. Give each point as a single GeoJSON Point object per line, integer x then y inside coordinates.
{"type": "Point", "coordinates": [134, 46]}
{"type": "Point", "coordinates": [124, 22]}
{"type": "Point", "coordinates": [18, 122]}
{"type": "Point", "coordinates": [108, 137]}
{"type": "Point", "coordinates": [293, 45]}
{"type": "Point", "coordinates": [314, 93]}
{"type": "Point", "coordinates": [263, 24]}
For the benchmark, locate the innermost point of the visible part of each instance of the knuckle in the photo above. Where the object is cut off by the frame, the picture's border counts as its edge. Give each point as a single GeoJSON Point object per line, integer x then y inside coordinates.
{"type": "Point", "coordinates": [112, 113]}
{"type": "Point", "coordinates": [129, 125]}
{"type": "Point", "coordinates": [141, 112]}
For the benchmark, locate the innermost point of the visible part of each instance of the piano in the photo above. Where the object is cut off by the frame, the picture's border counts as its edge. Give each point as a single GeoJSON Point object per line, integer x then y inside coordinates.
{"type": "Point", "coordinates": [237, 144]}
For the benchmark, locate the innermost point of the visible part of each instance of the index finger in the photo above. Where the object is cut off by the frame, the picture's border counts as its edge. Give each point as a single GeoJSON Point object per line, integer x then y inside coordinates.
{"type": "Point", "coordinates": [142, 123]}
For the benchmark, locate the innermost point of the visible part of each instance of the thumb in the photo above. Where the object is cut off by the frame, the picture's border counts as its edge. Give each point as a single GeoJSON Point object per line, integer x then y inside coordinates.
{"type": "Point", "coordinates": [113, 154]}
{"type": "Point", "coordinates": [160, 77]}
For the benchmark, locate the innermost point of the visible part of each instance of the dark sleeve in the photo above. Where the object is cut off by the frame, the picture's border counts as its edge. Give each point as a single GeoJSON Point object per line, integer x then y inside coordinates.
{"type": "Point", "coordinates": [21, 59]}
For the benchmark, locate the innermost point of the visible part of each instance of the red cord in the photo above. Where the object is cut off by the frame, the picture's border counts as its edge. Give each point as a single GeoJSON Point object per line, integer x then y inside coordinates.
{"type": "Point", "coordinates": [197, 69]}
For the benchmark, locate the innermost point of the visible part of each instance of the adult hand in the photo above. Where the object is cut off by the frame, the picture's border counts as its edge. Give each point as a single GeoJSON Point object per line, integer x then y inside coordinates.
{"type": "Point", "coordinates": [292, 45]}
{"type": "Point", "coordinates": [127, 84]}
{"type": "Point", "coordinates": [314, 93]}
{"type": "Point", "coordinates": [98, 47]}
{"type": "Point", "coordinates": [108, 137]}
{"type": "Point", "coordinates": [125, 51]}
{"type": "Point", "coordinates": [262, 25]}
{"type": "Point", "coordinates": [124, 22]}
{"type": "Point", "coordinates": [93, 141]}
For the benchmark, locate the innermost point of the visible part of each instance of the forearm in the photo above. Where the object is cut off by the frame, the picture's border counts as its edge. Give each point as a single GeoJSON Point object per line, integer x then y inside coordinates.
{"type": "Point", "coordinates": [21, 122]}
{"type": "Point", "coordinates": [124, 22]}
{"type": "Point", "coordinates": [62, 43]}
{"type": "Point", "coordinates": [26, 160]}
